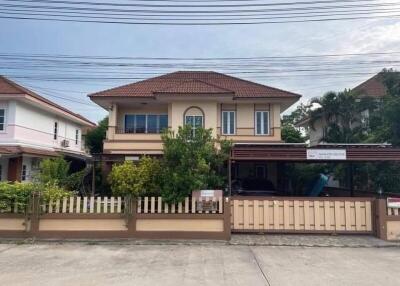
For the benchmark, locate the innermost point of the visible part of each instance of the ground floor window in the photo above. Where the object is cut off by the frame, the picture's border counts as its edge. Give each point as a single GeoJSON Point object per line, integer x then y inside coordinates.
{"type": "Point", "coordinates": [23, 173]}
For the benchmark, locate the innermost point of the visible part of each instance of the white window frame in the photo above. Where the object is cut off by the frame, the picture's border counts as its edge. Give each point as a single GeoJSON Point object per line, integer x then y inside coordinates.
{"type": "Point", "coordinates": [146, 126]}
{"type": "Point", "coordinates": [24, 173]}
{"type": "Point", "coordinates": [5, 119]}
{"type": "Point", "coordinates": [55, 130]}
{"type": "Point", "coordinates": [193, 126]}
{"type": "Point", "coordinates": [76, 136]}
{"type": "Point", "coordinates": [229, 122]}
{"type": "Point", "coordinates": [262, 123]}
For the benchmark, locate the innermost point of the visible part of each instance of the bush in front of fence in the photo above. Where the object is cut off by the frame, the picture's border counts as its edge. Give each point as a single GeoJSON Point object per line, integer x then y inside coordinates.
{"type": "Point", "coordinates": [16, 195]}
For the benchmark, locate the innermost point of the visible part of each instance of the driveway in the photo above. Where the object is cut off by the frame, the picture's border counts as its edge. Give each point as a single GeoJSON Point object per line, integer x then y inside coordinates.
{"type": "Point", "coordinates": [197, 264]}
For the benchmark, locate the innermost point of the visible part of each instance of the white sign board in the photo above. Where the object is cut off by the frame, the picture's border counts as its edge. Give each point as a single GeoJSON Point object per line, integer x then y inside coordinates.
{"type": "Point", "coordinates": [207, 193]}
{"type": "Point", "coordinates": [326, 154]}
{"type": "Point", "coordinates": [132, 158]}
{"type": "Point", "coordinates": [393, 203]}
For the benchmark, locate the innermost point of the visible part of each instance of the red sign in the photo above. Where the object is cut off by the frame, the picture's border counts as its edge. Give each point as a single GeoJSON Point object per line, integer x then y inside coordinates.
{"type": "Point", "coordinates": [393, 203]}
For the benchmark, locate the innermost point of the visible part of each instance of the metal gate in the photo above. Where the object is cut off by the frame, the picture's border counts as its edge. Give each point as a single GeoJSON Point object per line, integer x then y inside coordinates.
{"type": "Point", "coordinates": [301, 215]}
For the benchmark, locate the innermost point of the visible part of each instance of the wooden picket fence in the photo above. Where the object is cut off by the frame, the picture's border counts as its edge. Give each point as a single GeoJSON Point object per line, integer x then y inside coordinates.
{"type": "Point", "coordinates": [302, 215]}
{"type": "Point", "coordinates": [154, 205]}
{"type": "Point", "coordinates": [393, 211]}
{"type": "Point", "coordinates": [76, 205]}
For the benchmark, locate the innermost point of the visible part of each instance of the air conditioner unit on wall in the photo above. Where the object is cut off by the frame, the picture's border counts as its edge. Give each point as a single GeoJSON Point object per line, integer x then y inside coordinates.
{"type": "Point", "coordinates": [65, 143]}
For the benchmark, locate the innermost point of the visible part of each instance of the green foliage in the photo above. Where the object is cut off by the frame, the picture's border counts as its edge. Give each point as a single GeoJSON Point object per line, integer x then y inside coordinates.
{"type": "Point", "coordinates": [292, 135]}
{"type": "Point", "coordinates": [192, 162]}
{"type": "Point", "coordinates": [17, 193]}
{"type": "Point", "coordinates": [141, 179]}
{"type": "Point", "coordinates": [94, 138]}
{"type": "Point", "coordinates": [51, 191]}
{"type": "Point", "coordinates": [55, 171]}
{"type": "Point", "coordinates": [12, 194]}
{"type": "Point", "coordinates": [340, 112]}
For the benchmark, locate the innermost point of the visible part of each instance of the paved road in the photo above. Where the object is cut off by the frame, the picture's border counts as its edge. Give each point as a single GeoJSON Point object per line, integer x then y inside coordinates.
{"type": "Point", "coordinates": [206, 264]}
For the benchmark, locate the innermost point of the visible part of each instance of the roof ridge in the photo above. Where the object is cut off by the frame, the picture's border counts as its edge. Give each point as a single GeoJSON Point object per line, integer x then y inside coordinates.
{"type": "Point", "coordinates": [182, 82]}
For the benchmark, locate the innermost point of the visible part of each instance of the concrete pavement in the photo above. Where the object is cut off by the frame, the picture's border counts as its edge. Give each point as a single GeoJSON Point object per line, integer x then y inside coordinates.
{"type": "Point", "coordinates": [205, 264]}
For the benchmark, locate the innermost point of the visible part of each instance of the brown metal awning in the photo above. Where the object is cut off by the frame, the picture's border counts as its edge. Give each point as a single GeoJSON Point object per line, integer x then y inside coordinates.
{"type": "Point", "coordinates": [17, 150]}
{"type": "Point", "coordinates": [298, 152]}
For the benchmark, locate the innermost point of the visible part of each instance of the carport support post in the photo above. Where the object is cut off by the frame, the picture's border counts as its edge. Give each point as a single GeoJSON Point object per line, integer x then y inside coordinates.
{"type": "Point", "coordinates": [94, 177]}
{"type": "Point", "coordinates": [230, 176]}
{"type": "Point", "coordinates": [351, 181]}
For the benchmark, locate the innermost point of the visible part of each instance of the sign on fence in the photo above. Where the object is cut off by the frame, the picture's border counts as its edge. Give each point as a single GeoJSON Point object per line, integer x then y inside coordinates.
{"type": "Point", "coordinates": [207, 200]}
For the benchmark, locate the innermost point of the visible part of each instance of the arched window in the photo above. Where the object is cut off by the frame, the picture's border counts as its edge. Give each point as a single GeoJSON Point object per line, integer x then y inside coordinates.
{"type": "Point", "coordinates": [194, 117]}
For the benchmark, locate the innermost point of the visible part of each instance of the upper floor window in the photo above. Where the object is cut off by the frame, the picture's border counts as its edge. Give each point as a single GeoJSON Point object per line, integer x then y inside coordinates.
{"type": "Point", "coordinates": [145, 123]}
{"type": "Point", "coordinates": [194, 117]}
{"type": "Point", "coordinates": [262, 122]}
{"type": "Point", "coordinates": [55, 134]}
{"type": "Point", "coordinates": [228, 122]}
{"type": "Point", "coordinates": [76, 136]}
{"type": "Point", "coordinates": [2, 119]}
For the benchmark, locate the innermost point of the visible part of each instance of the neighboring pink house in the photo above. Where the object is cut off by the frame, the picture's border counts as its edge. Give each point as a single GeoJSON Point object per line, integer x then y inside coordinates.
{"type": "Point", "coordinates": [33, 127]}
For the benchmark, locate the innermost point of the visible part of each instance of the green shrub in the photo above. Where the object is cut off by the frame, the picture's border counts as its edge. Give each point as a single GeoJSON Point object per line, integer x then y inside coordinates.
{"type": "Point", "coordinates": [15, 194]}
{"type": "Point", "coordinates": [55, 171]}
{"type": "Point", "coordinates": [12, 194]}
{"type": "Point", "coordinates": [53, 192]}
{"type": "Point", "coordinates": [141, 179]}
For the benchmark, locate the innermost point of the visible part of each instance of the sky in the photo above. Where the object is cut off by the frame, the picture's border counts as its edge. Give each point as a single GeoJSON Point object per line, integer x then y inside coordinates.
{"type": "Point", "coordinates": [116, 40]}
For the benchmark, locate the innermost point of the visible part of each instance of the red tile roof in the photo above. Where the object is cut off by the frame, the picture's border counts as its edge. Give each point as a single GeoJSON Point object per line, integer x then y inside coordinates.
{"type": "Point", "coordinates": [196, 82]}
{"type": "Point", "coordinates": [373, 87]}
{"type": "Point", "coordinates": [10, 87]}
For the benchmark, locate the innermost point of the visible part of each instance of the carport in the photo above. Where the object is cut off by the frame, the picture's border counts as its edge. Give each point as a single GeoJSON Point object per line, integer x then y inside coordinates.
{"type": "Point", "coordinates": [300, 153]}
{"type": "Point", "coordinates": [293, 214]}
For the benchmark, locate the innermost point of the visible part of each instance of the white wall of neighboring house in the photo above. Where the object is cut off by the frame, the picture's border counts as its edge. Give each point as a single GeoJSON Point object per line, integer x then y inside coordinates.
{"type": "Point", "coordinates": [32, 126]}
{"type": "Point", "coordinates": [27, 125]}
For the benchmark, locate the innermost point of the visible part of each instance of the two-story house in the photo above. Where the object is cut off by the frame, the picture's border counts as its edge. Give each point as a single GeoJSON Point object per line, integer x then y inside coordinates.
{"type": "Point", "coordinates": [235, 109]}
{"type": "Point", "coordinates": [33, 127]}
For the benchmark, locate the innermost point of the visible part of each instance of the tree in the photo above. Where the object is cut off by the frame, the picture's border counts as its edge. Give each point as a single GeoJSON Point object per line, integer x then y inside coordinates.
{"type": "Point", "coordinates": [291, 135]}
{"type": "Point", "coordinates": [192, 162]}
{"type": "Point", "coordinates": [95, 137]}
{"type": "Point", "coordinates": [340, 113]}
{"type": "Point", "coordinates": [385, 125]}
{"type": "Point", "coordinates": [56, 172]}
{"type": "Point", "coordinates": [131, 179]}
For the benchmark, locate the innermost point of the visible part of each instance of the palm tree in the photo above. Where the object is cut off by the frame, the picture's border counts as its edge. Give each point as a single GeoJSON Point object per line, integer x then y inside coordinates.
{"type": "Point", "coordinates": [339, 113]}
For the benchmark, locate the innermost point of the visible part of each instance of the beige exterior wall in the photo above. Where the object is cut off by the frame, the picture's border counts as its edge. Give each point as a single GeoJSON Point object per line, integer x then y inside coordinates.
{"type": "Point", "coordinates": [82, 225]}
{"type": "Point", "coordinates": [12, 224]}
{"type": "Point", "coordinates": [393, 230]}
{"type": "Point", "coordinates": [119, 143]}
{"type": "Point", "coordinates": [187, 225]}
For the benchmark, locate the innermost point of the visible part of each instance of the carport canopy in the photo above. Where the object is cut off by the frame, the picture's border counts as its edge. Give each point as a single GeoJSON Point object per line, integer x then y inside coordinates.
{"type": "Point", "coordinates": [319, 153]}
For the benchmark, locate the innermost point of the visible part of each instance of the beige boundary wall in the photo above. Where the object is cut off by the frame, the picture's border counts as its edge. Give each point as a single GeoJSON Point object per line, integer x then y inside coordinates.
{"type": "Point", "coordinates": [302, 215]}
{"type": "Point", "coordinates": [114, 218]}
{"type": "Point", "coordinates": [387, 221]}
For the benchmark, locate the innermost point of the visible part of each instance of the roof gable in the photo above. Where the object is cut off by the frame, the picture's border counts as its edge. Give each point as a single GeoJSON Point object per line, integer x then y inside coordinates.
{"type": "Point", "coordinates": [10, 87]}
{"type": "Point", "coordinates": [373, 87]}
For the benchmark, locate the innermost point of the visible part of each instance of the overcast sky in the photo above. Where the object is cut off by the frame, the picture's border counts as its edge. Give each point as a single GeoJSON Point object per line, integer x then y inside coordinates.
{"type": "Point", "coordinates": [335, 37]}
